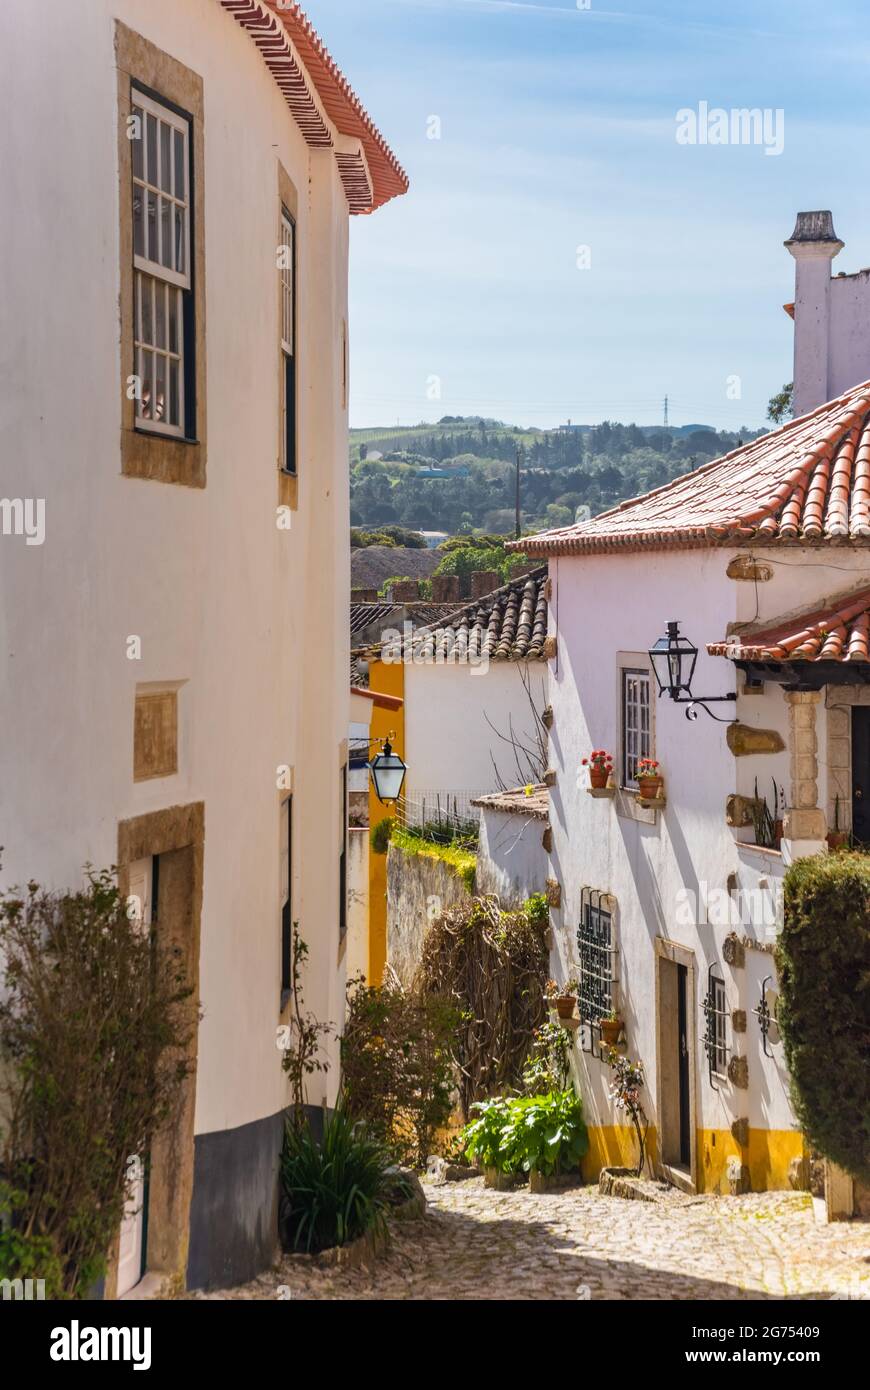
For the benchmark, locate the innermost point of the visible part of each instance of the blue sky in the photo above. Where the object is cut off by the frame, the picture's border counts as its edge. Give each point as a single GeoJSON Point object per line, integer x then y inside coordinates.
{"type": "Point", "coordinates": [558, 131]}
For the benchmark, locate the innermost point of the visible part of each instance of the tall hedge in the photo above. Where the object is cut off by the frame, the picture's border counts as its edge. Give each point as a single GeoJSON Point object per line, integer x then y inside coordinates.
{"type": "Point", "coordinates": [823, 962]}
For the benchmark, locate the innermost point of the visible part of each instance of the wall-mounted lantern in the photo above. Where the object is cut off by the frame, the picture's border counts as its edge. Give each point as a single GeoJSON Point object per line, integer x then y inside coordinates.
{"type": "Point", "coordinates": [388, 773]}
{"type": "Point", "coordinates": [673, 661]}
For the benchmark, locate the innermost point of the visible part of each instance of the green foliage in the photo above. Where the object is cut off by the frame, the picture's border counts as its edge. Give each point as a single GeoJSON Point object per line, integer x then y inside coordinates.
{"type": "Point", "coordinates": [335, 1191]}
{"type": "Point", "coordinates": [541, 1133]}
{"type": "Point", "coordinates": [781, 406]}
{"type": "Point", "coordinates": [537, 909]}
{"type": "Point", "coordinates": [482, 1136]}
{"type": "Point", "coordinates": [303, 1054]}
{"type": "Point", "coordinates": [461, 862]}
{"type": "Point", "coordinates": [381, 833]}
{"type": "Point", "coordinates": [96, 1025]}
{"type": "Point", "coordinates": [823, 966]}
{"type": "Point", "coordinates": [546, 1067]}
{"type": "Point", "coordinates": [466, 559]}
{"type": "Point", "coordinates": [397, 1065]}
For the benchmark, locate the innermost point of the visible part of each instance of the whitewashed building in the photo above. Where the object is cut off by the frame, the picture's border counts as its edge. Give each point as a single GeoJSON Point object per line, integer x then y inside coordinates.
{"type": "Point", "coordinates": [669, 907]}
{"type": "Point", "coordinates": [173, 557]}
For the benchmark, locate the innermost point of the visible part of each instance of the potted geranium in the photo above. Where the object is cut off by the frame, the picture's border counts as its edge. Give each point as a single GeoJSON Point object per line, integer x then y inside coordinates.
{"type": "Point", "coordinates": [649, 779]}
{"type": "Point", "coordinates": [611, 1027]}
{"type": "Point", "coordinates": [600, 764]}
{"type": "Point", "coordinates": [562, 998]}
{"type": "Point", "coordinates": [837, 838]}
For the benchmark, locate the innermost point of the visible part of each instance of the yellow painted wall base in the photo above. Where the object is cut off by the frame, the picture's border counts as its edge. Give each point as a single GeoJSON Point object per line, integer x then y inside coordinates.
{"type": "Point", "coordinates": [768, 1155]}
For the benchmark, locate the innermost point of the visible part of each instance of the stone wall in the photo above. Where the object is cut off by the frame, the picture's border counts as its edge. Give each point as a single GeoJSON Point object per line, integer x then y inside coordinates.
{"type": "Point", "coordinates": [419, 889]}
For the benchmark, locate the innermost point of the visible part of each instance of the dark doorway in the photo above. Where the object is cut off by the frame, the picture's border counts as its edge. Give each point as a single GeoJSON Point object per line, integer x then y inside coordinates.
{"type": "Point", "coordinates": [683, 1063]}
{"type": "Point", "coordinates": [861, 775]}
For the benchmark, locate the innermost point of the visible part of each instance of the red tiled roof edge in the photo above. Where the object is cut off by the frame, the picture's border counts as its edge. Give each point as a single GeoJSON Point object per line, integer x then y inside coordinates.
{"type": "Point", "coordinates": [836, 631]}
{"type": "Point", "coordinates": [591, 537]}
{"type": "Point", "coordinates": [378, 697]}
{"type": "Point", "coordinates": [268, 21]}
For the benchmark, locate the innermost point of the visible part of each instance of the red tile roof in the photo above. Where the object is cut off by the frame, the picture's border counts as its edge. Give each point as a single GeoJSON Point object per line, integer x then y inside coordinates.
{"type": "Point", "coordinates": [807, 483]}
{"type": "Point", "coordinates": [839, 631]}
{"type": "Point", "coordinates": [278, 29]}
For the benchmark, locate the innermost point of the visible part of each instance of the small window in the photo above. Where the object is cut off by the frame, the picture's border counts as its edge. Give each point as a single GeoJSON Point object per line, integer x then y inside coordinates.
{"type": "Point", "coordinates": [342, 858]}
{"type": "Point", "coordinates": [720, 1016]}
{"type": "Point", "coordinates": [286, 883]}
{"type": "Point", "coordinates": [636, 737]}
{"type": "Point", "coordinates": [287, 271]}
{"type": "Point", "coordinates": [162, 282]}
{"type": "Point", "coordinates": [596, 953]}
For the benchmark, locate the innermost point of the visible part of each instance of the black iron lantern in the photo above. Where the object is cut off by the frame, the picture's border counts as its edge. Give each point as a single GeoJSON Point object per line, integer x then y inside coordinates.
{"type": "Point", "coordinates": [388, 773]}
{"type": "Point", "coordinates": [673, 661]}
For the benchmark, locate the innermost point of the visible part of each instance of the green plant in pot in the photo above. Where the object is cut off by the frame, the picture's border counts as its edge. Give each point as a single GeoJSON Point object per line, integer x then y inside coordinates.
{"type": "Point", "coordinates": [562, 997]}
{"type": "Point", "coordinates": [837, 838]}
{"type": "Point", "coordinates": [611, 1027]}
{"type": "Point", "coordinates": [483, 1136]}
{"type": "Point", "coordinates": [546, 1133]}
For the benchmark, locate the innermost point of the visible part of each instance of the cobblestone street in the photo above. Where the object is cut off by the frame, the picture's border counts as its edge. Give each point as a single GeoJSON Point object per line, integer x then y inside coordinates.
{"type": "Point", "coordinates": [476, 1243]}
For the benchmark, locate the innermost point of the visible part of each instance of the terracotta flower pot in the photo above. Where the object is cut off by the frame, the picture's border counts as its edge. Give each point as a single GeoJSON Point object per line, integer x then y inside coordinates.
{"type": "Point", "coordinates": [837, 839]}
{"type": "Point", "coordinates": [565, 1005]}
{"type": "Point", "coordinates": [598, 776]}
{"type": "Point", "coordinates": [650, 787]}
{"type": "Point", "coordinates": [610, 1030]}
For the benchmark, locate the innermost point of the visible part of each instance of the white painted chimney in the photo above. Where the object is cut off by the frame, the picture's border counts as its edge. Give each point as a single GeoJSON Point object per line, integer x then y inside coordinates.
{"type": "Point", "coordinates": [814, 244]}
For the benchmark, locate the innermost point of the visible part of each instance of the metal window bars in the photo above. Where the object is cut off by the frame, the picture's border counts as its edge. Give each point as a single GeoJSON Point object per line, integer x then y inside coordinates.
{"type": "Point", "coordinates": [716, 1017]}
{"type": "Point", "coordinates": [764, 1015]}
{"type": "Point", "coordinates": [597, 978]}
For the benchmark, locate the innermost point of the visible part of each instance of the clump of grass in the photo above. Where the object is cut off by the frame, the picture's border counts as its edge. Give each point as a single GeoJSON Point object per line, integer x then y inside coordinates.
{"type": "Point", "coordinates": [462, 862]}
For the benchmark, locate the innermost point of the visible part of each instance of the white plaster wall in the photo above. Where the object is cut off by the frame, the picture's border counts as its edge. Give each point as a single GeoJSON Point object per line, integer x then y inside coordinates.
{"type": "Point", "coordinates": [448, 739]}
{"type": "Point", "coordinates": [511, 860]}
{"type": "Point", "coordinates": [849, 347]}
{"type": "Point", "coordinates": [603, 605]}
{"type": "Point", "coordinates": [251, 618]}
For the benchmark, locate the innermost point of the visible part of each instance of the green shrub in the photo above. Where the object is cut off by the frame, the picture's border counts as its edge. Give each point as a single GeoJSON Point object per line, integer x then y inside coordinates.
{"type": "Point", "coordinates": [546, 1067]}
{"type": "Point", "coordinates": [460, 861]}
{"type": "Point", "coordinates": [483, 1135]}
{"type": "Point", "coordinates": [545, 1134]}
{"type": "Point", "coordinates": [537, 909]}
{"type": "Point", "coordinates": [823, 965]}
{"type": "Point", "coordinates": [542, 1134]}
{"type": "Point", "coordinates": [380, 835]}
{"type": "Point", "coordinates": [333, 1191]}
{"type": "Point", "coordinates": [397, 1065]}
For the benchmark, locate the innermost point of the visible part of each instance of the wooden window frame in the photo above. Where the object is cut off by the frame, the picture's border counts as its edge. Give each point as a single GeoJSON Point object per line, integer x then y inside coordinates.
{"type": "Point", "coordinates": [644, 738]}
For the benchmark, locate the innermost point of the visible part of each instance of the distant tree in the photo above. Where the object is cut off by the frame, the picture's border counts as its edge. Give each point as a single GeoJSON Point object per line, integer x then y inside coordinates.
{"type": "Point", "coordinates": [781, 406]}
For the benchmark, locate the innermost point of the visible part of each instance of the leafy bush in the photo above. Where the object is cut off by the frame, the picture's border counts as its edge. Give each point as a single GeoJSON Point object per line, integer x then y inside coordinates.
{"type": "Point", "coordinates": [545, 1134]}
{"type": "Point", "coordinates": [333, 1191]}
{"type": "Point", "coordinates": [380, 835]}
{"type": "Point", "coordinates": [823, 965]}
{"type": "Point", "coordinates": [546, 1067]}
{"type": "Point", "coordinates": [542, 1134]}
{"type": "Point", "coordinates": [537, 909]}
{"type": "Point", "coordinates": [396, 1055]}
{"type": "Point", "coordinates": [95, 1033]}
{"type": "Point", "coordinates": [483, 1136]}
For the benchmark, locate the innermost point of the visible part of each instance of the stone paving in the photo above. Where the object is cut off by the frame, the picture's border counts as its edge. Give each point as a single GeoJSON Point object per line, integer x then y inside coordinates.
{"type": "Point", "coordinates": [475, 1243]}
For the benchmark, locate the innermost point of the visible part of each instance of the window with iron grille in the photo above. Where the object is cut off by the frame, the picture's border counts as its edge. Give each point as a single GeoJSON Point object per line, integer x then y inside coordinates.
{"type": "Point", "coordinates": [596, 953]}
{"type": "Point", "coordinates": [636, 725]}
{"type": "Point", "coordinates": [287, 271]}
{"type": "Point", "coordinates": [162, 282]}
{"type": "Point", "coordinates": [716, 1019]}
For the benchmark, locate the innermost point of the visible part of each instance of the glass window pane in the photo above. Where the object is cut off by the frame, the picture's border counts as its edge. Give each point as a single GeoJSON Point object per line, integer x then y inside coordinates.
{"type": "Point", "coordinates": [173, 320]}
{"type": "Point", "coordinates": [136, 129]}
{"type": "Point", "coordinates": [165, 157]}
{"type": "Point", "coordinates": [138, 222]}
{"type": "Point", "coordinates": [151, 227]}
{"type": "Point", "coordinates": [147, 310]}
{"type": "Point", "coordinates": [173, 392]}
{"type": "Point", "coordinates": [160, 315]}
{"type": "Point", "coordinates": [151, 148]}
{"type": "Point", "coordinates": [160, 387]}
{"type": "Point", "coordinates": [180, 181]}
{"type": "Point", "coordinates": [166, 232]}
{"type": "Point", "coordinates": [179, 240]}
{"type": "Point", "coordinates": [146, 374]}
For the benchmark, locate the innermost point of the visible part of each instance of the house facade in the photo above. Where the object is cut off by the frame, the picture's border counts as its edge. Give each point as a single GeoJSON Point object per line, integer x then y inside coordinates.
{"type": "Point", "coordinates": [670, 905]}
{"type": "Point", "coordinates": [174, 678]}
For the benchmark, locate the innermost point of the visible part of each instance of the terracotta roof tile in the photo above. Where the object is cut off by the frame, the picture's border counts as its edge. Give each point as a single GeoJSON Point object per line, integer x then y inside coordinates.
{"type": "Point", "coordinates": [368, 183]}
{"type": "Point", "coordinates": [839, 631]}
{"type": "Point", "coordinates": [508, 624]}
{"type": "Point", "coordinates": [535, 804]}
{"type": "Point", "coordinates": [807, 482]}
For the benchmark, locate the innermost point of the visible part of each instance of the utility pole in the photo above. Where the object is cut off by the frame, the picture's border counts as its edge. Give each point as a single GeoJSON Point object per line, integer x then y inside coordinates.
{"type": "Point", "coordinates": [517, 497]}
{"type": "Point", "coordinates": [666, 413]}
